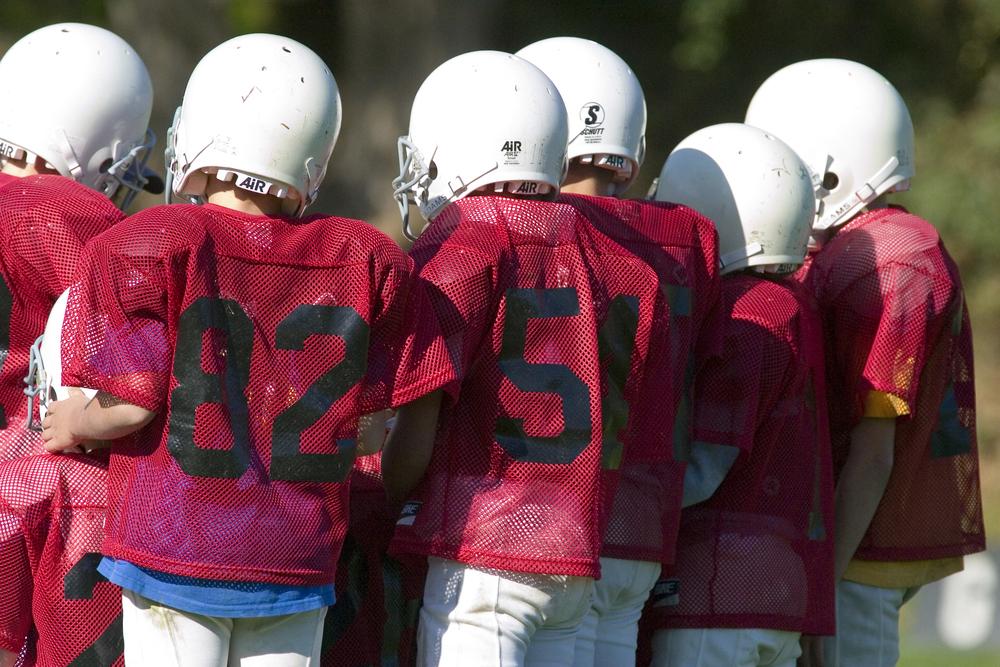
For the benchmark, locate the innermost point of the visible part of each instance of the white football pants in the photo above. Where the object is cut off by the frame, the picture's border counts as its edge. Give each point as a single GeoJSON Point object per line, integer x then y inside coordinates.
{"type": "Point", "coordinates": [725, 647]}
{"type": "Point", "coordinates": [159, 636]}
{"type": "Point", "coordinates": [496, 618]}
{"type": "Point", "coordinates": [867, 626]}
{"type": "Point", "coordinates": [609, 633]}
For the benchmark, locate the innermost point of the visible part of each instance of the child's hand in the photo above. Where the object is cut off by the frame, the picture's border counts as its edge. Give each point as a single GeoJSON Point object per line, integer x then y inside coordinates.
{"type": "Point", "coordinates": [59, 428]}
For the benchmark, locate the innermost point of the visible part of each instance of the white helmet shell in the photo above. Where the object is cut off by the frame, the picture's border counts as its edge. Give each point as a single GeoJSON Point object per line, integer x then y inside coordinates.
{"type": "Point", "coordinates": [78, 97]}
{"type": "Point", "coordinates": [752, 186]}
{"type": "Point", "coordinates": [44, 379]}
{"type": "Point", "coordinates": [261, 110]}
{"type": "Point", "coordinates": [605, 105]}
{"type": "Point", "coordinates": [850, 126]}
{"type": "Point", "coordinates": [481, 118]}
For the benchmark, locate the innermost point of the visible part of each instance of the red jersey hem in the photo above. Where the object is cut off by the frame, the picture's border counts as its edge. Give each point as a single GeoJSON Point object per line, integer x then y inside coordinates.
{"type": "Point", "coordinates": [628, 553]}
{"type": "Point", "coordinates": [920, 553]}
{"type": "Point", "coordinates": [422, 388]}
{"type": "Point", "coordinates": [507, 563]}
{"type": "Point", "coordinates": [6, 644]}
{"type": "Point", "coordinates": [218, 572]}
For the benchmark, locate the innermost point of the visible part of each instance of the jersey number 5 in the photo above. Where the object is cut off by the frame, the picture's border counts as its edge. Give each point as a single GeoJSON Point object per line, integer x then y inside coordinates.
{"type": "Point", "coordinates": [196, 387]}
{"type": "Point", "coordinates": [616, 341]}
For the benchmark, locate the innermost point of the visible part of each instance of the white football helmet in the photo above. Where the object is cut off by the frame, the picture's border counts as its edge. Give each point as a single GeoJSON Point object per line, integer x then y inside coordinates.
{"type": "Point", "coordinates": [481, 119]}
{"type": "Point", "coordinates": [752, 186]}
{"type": "Point", "coordinates": [260, 110]}
{"type": "Point", "coordinates": [44, 379]}
{"type": "Point", "coordinates": [79, 97]}
{"type": "Point", "coordinates": [849, 125]}
{"type": "Point", "coordinates": [605, 105]}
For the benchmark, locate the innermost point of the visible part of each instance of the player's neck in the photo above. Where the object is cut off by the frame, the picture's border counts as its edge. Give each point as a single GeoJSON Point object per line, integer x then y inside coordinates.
{"type": "Point", "coordinates": [227, 195]}
{"type": "Point", "coordinates": [585, 179]}
{"type": "Point", "coordinates": [22, 168]}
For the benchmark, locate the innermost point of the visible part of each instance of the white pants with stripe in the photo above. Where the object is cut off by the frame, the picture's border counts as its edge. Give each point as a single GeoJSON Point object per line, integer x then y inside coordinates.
{"type": "Point", "coordinates": [496, 618]}
{"type": "Point", "coordinates": [159, 636]}
{"type": "Point", "coordinates": [867, 626]}
{"type": "Point", "coordinates": [609, 633]}
{"type": "Point", "coordinates": [725, 647]}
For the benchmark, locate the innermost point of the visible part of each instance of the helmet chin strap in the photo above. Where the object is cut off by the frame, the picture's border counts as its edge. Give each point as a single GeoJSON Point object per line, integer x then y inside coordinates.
{"type": "Point", "coordinates": [861, 197]}
{"type": "Point", "coordinates": [414, 178]}
{"type": "Point", "coordinates": [35, 384]}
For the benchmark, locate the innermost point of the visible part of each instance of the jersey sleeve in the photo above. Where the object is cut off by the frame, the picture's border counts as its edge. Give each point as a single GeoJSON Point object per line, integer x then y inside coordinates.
{"type": "Point", "coordinates": [115, 331]}
{"type": "Point", "coordinates": [460, 279]}
{"type": "Point", "coordinates": [733, 392]}
{"type": "Point", "coordinates": [47, 221]}
{"type": "Point", "coordinates": [894, 307]}
{"type": "Point", "coordinates": [407, 355]}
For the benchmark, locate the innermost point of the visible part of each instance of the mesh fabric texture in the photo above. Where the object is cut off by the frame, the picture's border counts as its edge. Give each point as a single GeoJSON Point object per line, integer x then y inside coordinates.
{"type": "Point", "coordinates": [51, 526]}
{"type": "Point", "coordinates": [378, 597]}
{"type": "Point", "coordinates": [259, 341]}
{"type": "Point", "coordinates": [44, 223]}
{"type": "Point", "coordinates": [653, 425]}
{"type": "Point", "coordinates": [759, 552]}
{"type": "Point", "coordinates": [538, 303]}
{"type": "Point", "coordinates": [895, 321]}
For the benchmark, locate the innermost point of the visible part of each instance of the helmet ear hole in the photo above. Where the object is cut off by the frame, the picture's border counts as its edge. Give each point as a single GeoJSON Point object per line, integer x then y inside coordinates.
{"type": "Point", "coordinates": [432, 170]}
{"type": "Point", "coordinates": [830, 181]}
{"type": "Point", "coordinates": [105, 166]}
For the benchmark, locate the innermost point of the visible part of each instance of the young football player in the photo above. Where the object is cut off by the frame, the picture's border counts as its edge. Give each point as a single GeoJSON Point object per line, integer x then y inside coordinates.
{"type": "Point", "coordinates": [55, 608]}
{"type": "Point", "coordinates": [754, 565]}
{"type": "Point", "coordinates": [54, 123]}
{"type": "Point", "coordinates": [899, 352]}
{"type": "Point", "coordinates": [559, 327]}
{"type": "Point", "coordinates": [239, 342]}
{"type": "Point", "coordinates": [375, 619]}
{"type": "Point", "coordinates": [606, 113]}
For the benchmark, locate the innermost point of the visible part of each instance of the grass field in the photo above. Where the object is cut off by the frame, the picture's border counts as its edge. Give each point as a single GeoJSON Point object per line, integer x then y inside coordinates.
{"type": "Point", "coordinates": [946, 658]}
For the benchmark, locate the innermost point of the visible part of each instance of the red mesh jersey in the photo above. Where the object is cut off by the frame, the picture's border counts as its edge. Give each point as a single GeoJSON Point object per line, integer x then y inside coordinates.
{"type": "Point", "coordinates": [258, 340]}
{"type": "Point", "coordinates": [51, 526]}
{"type": "Point", "coordinates": [543, 309]}
{"type": "Point", "coordinates": [895, 321]}
{"type": "Point", "coordinates": [378, 597]}
{"type": "Point", "coordinates": [759, 552]}
{"type": "Point", "coordinates": [639, 418]}
{"type": "Point", "coordinates": [7, 178]}
{"type": "Point", "coordinates": [44, 222]}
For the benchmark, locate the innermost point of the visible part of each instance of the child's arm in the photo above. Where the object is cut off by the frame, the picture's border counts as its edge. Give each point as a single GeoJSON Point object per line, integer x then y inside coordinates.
{"type": "Point", "coordinates": [372, 432]}
{"type": "Point", "coordinates": [861, 486]}
{"type": "Point", "coordinates": [7, 659]}
{"type": "Point", "coordinates": [78, 419]}
{"type": "Point", "coordinates": [408, 449]}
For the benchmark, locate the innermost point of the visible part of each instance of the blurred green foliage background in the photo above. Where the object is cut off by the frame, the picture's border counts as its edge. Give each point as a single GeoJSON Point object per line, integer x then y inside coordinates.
{"type": "Point", "coordinates": [699, 62]}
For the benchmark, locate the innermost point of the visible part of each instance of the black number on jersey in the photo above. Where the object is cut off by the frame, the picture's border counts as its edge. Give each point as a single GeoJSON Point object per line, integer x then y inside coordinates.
{"type": "Point", "coordinates": [287, 462]}
{"type": "Point", "coordinates": [524, 305]}
{"type": "Point", "coordinates": [6, 304]}
{"type": "Point", "coordinates": [616, 341]}
{"type": "Point", "coordinates": [79, 584]}
{"type": "Point", "coordinates": [196, 387]}
{"type": "Point", "coordinates": [400, 613]}
{"type": "Point", "coordinates": [679, 298]}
